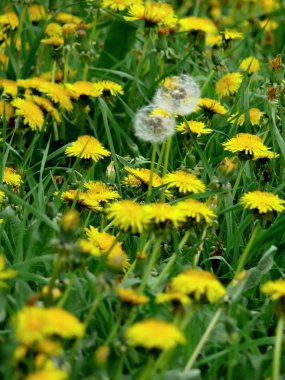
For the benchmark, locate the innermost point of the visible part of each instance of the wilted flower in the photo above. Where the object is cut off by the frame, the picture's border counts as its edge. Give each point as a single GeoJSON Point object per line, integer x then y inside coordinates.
{"type": "Point", "coordinates": [154, 124]}
{"type": "Point", "coordinates": [178, 95]}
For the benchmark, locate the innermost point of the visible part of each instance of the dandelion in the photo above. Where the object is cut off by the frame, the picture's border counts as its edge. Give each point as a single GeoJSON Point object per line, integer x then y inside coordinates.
{"type": "Point", "coordinates": [48, 374]}
{"type": "Point", "coordinates": [87, 147]}
{"type": "Point", "coordinates": [230, 34]}
{"type": "Point", "coordinates": [128, 215]}
{"type": "Point", "coordinates": [10, 87]}
{"type": "Point", "coordinates": [174, 297]}
{"type": "Point", "coordinates": [153, 13]}
{"type": "Point", "coordinates": [247, 144]}
{"type": "Point", "coordinates": [196, 210]}
{"type": "Point", "coordinates": [55, 41]}
{"type": "Point", "coordinates": [53, 29]}
{"type": "Point", "coordinates": [178, 95]}
{"type": "Point", "coordinates": [36, 12]}
{"type": "Point", "coordinates": [65, 18]}
{"type": "Point", "coordinates": [198, 285]}
{"type": "Point", "coordinates": [31, 113]}
{"type": "Point", "coordinates": [154, 334]}
{"type": "Point", "coordinates": [262, 202]}
{"type": "Point", "coordinates": [201, 24]}
{"type": "Point", "coordinates": [184, 182]}
{"type": "Point", "coordinates": [6, 110]}
{"type": "Point", "coordinates": [211, 106]}
{"type": "Point", "coordinates": [164, 214]}
{"type": "Point", "coordinates": [57, 93]}
{"type": "Point", "coordinates": [196, 127]}
{"type": "Point", "coordinates": [5, 274]}
{"type": "Point", "coordinates": [107, 88]}
{"type": "Point", "coordinates": [152, 126]}
{"type": "Point", "coordinates": [132, 297]}
{"type": "Point", "coordinates": [250, 64]}
{"type": "Point", "coordinates": [274, 289]}
{"type": "Point", "coordinates": [229, 84]}
{"type": "Point", "coordinates": [9, 19]}
{"type": "Point", "coordinates": [82, 88]}
{"type": "Point", "coordinates": [118, 5]}
{"type": "Point", "coordinates": [143, 175]}
{"type": "Point", "coordinates": [11, 177]}
{"type": "Point", "coordinates": [255, 116]}
{"type": "Point", "coordinates": [46, 106]}
{"type": "Point", "coordinates": [102, 240]}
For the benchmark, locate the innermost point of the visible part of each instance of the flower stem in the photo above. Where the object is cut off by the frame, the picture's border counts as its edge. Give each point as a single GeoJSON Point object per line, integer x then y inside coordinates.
{"type": "Point", "coordinates": [165, 270]}
{"type": "Point", "coordinates": [277, 348]}
{"type": "Point", "coordinates": [151, 262]}
{"type": "Point", "coordinates": [165, 163]}
{"type": "Point", "coordinates": [244, 255]}
{"type": "Point", "coordinates": [203, 340]}
{"type": "Point", "coordinates": [240, 173]}
{"type": "Point", "coordinates": [149, 189]}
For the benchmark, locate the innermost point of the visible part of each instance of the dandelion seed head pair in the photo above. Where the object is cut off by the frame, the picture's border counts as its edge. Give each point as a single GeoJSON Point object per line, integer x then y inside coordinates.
{"type": "Point", "coordinates": [177, 95]}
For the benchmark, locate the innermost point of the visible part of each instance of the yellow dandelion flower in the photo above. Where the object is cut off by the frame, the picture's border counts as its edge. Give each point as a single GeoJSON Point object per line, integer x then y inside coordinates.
{"type": "Point", "coordinates": [55, 41]}
{"type": "Point", "coordinates": [87, 147]}
{"type": "Point", "coordinates": [118, 5]}
{"type": "Point", "coordinates": [4, 60]}
{"type": "Point", "coordinates": [228, 165]}
{"type": "Point", "coordinates": [32, 324]}
{"type": "Point", "coordinates": [48, 374]}
{"type": "Point", "coordinates": [250, 64]}
{"type": "Point", "coordinates": [87, 247]}
{"type": "Point", "coordinates": [229, 84]}
{"type": "Point", "coordinates": [269, 5]}
{"type": "Point", "coordinates": [196, 127]}
{"type": "Point", "coordinates": [266, 155]}
{"type": "Point", "coordinates": [36, 12]}
{"type": "Point", "coordinates": [274, 289]}
{"type": "Point", "coordinates": [268, 25]}
{"type": "Point", "coordinates": [9, 19]}
{"type": "Point", "coordinates": [143, 175]}
{"type": "Point", "coordinates": [53, 29]}
{"type": "Point", "coordinates": [55, 292]}
{"type": "Point", "coordinates": [262, 202]}
{"type": "Point", "coordinates": [57, 93]}
{"type": "Point", "coordinates": [153, 13]}
{"type": "Point", "coordinates": [200, 212]}
{"type": "Point", "coordinates": [6, 109]}
{"type": "Point", "coordinates": [174, 297]}
{"type": "Point", "coordinates": [131, 296]}
{"type": "Point", "coordinates": [72, 194]}
{"type": "Point", "coordinates": [11, 177]}
{"type": "Point", "coordinates": [229, 34]}
{"type": "Point", "coordinates": [128, 215]}
{"type": "Point", "coordinates": [102, 240]}
{"type": "Point", "coordinates": [34, 82]}
{"type": "Point", "coordinates": [131, 180]}
{"type": "Point", "coordinates": [202, 24]}
{"type": "Point", "coordinates": [47, 106]}
{"type": "Point", "coordinates": [213, 40]}
{"type": "Point", "coordinates": [118, 260]}
{"type": "Point", "coordinates": [246, 143]}
{"type": "Point", "coordinates": [99, 192]}
{"type": "Point", "coordinates": [82, 88]}
{"type": "Point", "coordinates": [69, 29]}
{"type": "Point", "coordinates": [49, 347]}
{"type": "Point", "coordinates": [65, 18]}
{"type": "Point", "coordinates": [107, 87]}
{"type": "Point", "coordinates": [198, 285]}
{"type": "Point", "coordinates": [159, 112]}
{"type": "Point", "coordinates": [5, 274]}
{"type": "Point", "coordinates": [185, 182]}
{"type": "Point", "coordinates": [164, 214]}
{"type": "Point", "coordinates": [2, 196]}
{"type": "Point", "coordinates": [10, 87]}
{"type": "Point", "coordinates": [154, 334]}
{"type": "Point", "coordinates": [255, 116]}
{"type": "Point", "coordinates": [211, 106]}
{"type": "Point", "coordinates": [31, 113]}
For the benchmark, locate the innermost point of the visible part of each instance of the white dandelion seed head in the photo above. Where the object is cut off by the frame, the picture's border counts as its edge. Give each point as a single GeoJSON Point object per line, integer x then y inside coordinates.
{"type": "Point", "coordinates": [178, 95]}
{"type": "Point", "coordinates": [154, 124]}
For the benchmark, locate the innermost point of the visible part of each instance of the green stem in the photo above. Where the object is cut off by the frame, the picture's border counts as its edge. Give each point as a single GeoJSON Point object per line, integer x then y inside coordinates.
{"type": "Point", "coordinates": [65, 296]}
{"type": "Point", "coordinates": [245, 253]}
{"type": "Point", "coordinates": [184, 240]}
{"type": "Point", "coordinates": [240, 173]}
{"type": "Point", "coordinates": [65, 72]}
{"type": "Point", "coordinates": [160, 157]}
{"type": "Point", "coordinates": [277, 349]}
{"type": "Point", "coordinates": [151, 262]}
{"type": "Point", "coordinates": [208, 80]}
{"type": "Point", "coordinates": [165, 271]}
{"type": "Point", "coordinates": [200, 248]}
{"type": "Point", "coordinates": [149, 189]}
{"type": "Point", "coordinates": [165, 163]}
{"type": "Point", "coordinates": [203, 340]}
{"type": "Point", "coordinates": [53, 70]}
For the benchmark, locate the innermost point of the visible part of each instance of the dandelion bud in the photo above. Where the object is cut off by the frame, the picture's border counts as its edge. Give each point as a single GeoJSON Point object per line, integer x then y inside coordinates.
{"type": "Point", "coordinates": [154, 124]}
{"type": "Point", "coordinates": [102, 354]}
{"type": "Point", "coordinates": [70, 221]}
{"type": "Point", "coordinates": [178, 95]}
